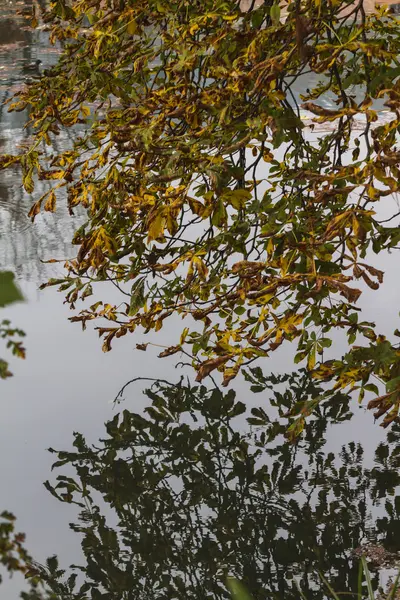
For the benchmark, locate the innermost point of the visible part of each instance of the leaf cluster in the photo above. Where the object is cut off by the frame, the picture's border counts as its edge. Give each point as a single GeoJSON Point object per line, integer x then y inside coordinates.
{"type": "Point", "coordinates": [207, 197]}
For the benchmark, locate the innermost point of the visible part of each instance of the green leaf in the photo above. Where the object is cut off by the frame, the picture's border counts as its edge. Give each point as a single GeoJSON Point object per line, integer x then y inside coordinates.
{"type": "Point", "coordinates": [311, 358]}
{"type": "Point", "coordinates": [138, 298]}
{"type": "Point", "coordinates": [393, 384]}
{"type": "Point", "coordinates": [257, 18]}
{"type": "Point", "coordinates": [325, 342]}
{"type": "Point", "coordinates": [371, 387]}
{"type": "Point", "coordinates": [219, 217]}
{"type": "Point", "coordinates": [237, 589]}
{"type": "Point", "coordinates": [349, 80]}
{"type": "Point", "coordinates": [9, 292]}
{"type": "Point", "coordinates": [395, 586]}
{"type": "Point", "coordinates": [300, 356]}
{"type": "Point", "coordinates": [367, 578]}
{"type": "Point", "coordinates": [275, 13]}
{"type": "Point", "coordinates": [328, 585]}
{"type": "Point", "coordinates": [237, 198]}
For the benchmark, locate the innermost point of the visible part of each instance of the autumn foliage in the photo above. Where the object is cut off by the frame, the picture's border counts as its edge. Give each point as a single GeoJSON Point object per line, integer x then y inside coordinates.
{"type": "Point", "coordinates": [216, 193]}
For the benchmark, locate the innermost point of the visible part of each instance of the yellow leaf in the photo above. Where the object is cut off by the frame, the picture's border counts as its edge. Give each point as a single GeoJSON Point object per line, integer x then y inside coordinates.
{"type": "Point", "coordinates": [286, 261]}
{"type": "Point", "coordinates": [337, 223]}
{"type": "Point", "coordinates": [28, 182]}
{"type": "Point", "coordinates": [132, 27]}
{"type": "Point", "coordinates": [97, 46]}
{"type": "Point", "coordinates": [189, 275]}
{"type": "Point", "coordinates": [55, 174]}
{"type": "Point", "coordinates": [201, 268]}
{"type": "Point", "coordinates": [230, 18]}
{"type": "Point", "coordinates": [289, 323]}
{"type": "Point", "coordinates": [311, 360]}
{"type": "Point", "coordinates": [196, 207]}
{"type": "Point", "coordinates": [261, 300]}
{"type": "Point", "coordinates": [156, 227]}
{"type": "Point", "coordinates": [268, 156]}
{"type": "Point", "coordinates": [50, 204]}
{"type": "Point", "coordinates": [90, 17]}
{"type": "Point", "coordinates": [184, 335]}
{"type": "Point", "coordinates": [373, 193]}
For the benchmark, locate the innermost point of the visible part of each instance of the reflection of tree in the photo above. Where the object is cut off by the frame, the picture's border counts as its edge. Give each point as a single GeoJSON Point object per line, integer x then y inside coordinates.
{"type": "Point", "coordinates": [10, 32]}
{"type": "Point", "coordinates": [174, 498]}
{"type": "Point", "coordinates": [385, 483]}
{"type": "Point", "coordinates": [22, 245]}
{"type": "Point", "coordinates": [15, 558]}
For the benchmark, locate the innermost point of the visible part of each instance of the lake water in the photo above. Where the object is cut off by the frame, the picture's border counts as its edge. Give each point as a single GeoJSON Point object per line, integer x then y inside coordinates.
{"type": "Point", "coordinates": [319, 503]}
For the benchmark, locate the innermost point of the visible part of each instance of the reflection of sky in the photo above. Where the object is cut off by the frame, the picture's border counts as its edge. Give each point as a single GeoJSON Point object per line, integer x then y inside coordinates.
{"type": "Point", "coordinates": [67, 383]}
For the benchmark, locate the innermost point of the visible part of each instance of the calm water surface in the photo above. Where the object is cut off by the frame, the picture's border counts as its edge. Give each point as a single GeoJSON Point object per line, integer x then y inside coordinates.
{"type": "Point", "coordinates": [319, 498]}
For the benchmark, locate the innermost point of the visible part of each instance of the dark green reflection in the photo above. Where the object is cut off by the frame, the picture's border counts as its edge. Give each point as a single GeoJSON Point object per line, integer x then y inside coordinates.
{"type": "Point", "coordinates": [174, 499]}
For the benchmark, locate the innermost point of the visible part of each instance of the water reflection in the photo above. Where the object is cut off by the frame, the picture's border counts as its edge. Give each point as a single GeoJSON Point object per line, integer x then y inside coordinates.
{"type": "Point", "coordinates": [173, 499]}
{"type": "Point", "coordinates": [22, 244]}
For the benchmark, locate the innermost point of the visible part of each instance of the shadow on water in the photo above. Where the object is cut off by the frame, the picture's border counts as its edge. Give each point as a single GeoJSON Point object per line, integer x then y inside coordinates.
{"type": "Point", "coordinates": [172, 500]}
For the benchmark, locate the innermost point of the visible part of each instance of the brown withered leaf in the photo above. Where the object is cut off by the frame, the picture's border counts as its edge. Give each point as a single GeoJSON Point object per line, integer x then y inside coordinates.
{"type": "Point", "coordinates": [326, 194]}
{"type": "Point", "coordinates": [392, 416]}
{"type": "Point", "coordinates": [170, 351]}
{"type": "Point", "coordinates": [376, 272]}
{"type": "Point", "coordinates": [389, 404]}
{"type": "Point", "coordinates": [371, 284]}
{"type": "Point", "coordinates": [107, 341]}
{"type": "Point", "coordinates": [319, 110]}
{"type": "Point", "coordinates": [35, 210]}
{"type": "Point", "coordinates": [382, 403]}
{"type": "Point", "coordinates": [142, 347]}
{"type": "Point", "coordinates": [391, 158]}
{"type": "Point", "coordinates": [83, 250]}
{"type": "Point", "coordinates": [230, 374]}
{"type": "Point", "coordinates": [210, 365]}
{"type": "Point", "coordinates": [303, 28]}
{"type": "Point", "coordinates": [247, 267]}
{"type": "Point", "coordinates": [393, 105]}
{"type": "Point", "coordinates": [351, 294]}
{"type": "Point", "coordinates": [121, 332]}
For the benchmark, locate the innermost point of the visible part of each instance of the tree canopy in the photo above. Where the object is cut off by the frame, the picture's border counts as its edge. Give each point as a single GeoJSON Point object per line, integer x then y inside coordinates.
{"type": "Point", "coordinates": [209, 198]}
